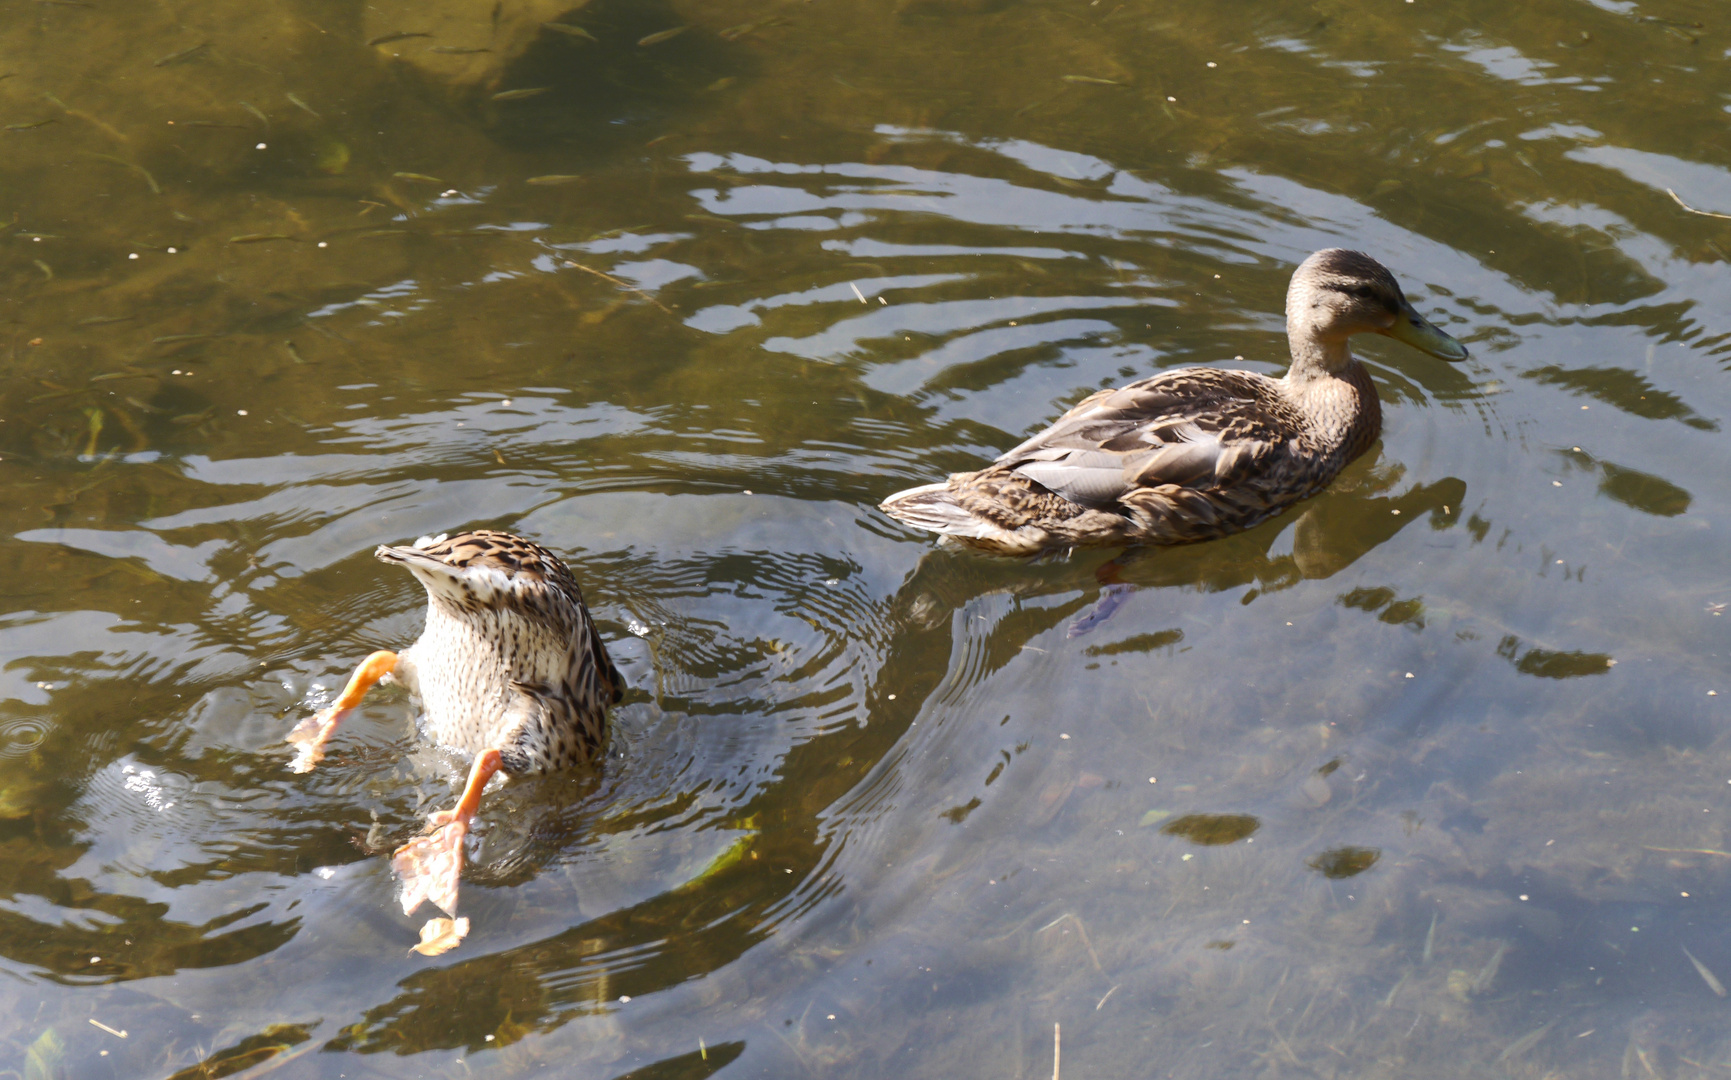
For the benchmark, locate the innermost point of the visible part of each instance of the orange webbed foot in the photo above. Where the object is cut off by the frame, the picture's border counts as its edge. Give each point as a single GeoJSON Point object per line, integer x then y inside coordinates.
{"type": "Point", "coordinates": [430, 867]}
{"type": "Point", "coordinates": [441, 936]}
{"type": "Point", "coordinates": [310, 735]}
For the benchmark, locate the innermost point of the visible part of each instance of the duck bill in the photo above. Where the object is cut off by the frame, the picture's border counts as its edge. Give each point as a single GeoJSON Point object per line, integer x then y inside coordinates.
{"type": "Point", "coordinates": [1412, 328]}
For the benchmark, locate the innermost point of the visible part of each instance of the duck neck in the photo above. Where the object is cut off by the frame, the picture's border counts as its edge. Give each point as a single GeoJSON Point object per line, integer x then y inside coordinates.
{"type": "Point", "coordinates": [1315, 356]}
{"type": "Point", "coordinates": [1335, 392]}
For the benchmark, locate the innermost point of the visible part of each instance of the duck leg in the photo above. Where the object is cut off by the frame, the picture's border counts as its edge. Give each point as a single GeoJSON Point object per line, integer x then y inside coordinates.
{"type": "Point", "coordinates": [430, 865]}
{"type": "Point", "coordinates": [1114, 590]}
{"type": "Point", "coordinates": [310, 734]}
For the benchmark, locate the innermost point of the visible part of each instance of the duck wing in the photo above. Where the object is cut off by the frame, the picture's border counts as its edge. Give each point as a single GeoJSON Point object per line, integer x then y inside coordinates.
{"type": "Point", "coordinates": [1195, 428]}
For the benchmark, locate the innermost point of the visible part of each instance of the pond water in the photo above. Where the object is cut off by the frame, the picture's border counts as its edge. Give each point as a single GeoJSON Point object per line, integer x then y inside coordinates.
{"type": "Point", "coordinates": [1428, 776]}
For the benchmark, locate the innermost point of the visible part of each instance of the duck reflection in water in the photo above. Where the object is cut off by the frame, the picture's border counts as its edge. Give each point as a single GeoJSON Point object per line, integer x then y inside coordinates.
{"type": "Point", "coordinates": [1369, 507]}
{"type": "Point", "coordinates": [1194, 453]}
{"type": "Point", "coordinates": [509, 669]}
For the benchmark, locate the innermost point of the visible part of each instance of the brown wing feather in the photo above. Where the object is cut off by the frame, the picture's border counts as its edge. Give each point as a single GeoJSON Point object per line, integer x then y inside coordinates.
{"type": "Point", "coordinates": [1193, 428]}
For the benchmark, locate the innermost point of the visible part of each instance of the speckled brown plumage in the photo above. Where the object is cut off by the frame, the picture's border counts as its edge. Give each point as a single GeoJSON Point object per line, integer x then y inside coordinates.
{"type": "Point", "coordinates": [509, 658]}
{"type": "Point", "coordinates": [509, 670]}
{"type": "Point", "coordinates": [1194, 453]}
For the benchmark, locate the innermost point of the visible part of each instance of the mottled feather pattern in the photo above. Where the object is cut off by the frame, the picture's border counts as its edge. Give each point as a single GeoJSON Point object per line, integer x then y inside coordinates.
{"type": "Point", "coordinates": [1185, 455]}
{"type": "Point", "coordinates": [509, 658]}
{"type": "Point", "coordinates": [1195, 453]}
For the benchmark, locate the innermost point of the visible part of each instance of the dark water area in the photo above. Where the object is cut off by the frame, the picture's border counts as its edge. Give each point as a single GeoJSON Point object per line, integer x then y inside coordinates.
{"type": "Point", "coordinates": [1426, 777]}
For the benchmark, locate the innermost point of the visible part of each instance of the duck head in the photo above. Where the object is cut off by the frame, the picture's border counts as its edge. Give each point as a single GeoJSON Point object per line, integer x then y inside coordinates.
{"type": "Point", "coordinates": [1337, 293]}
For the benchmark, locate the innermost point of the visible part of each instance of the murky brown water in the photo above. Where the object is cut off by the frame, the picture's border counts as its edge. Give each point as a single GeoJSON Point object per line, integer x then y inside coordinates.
{"type": "Point", "coordinates": [1428, 777]}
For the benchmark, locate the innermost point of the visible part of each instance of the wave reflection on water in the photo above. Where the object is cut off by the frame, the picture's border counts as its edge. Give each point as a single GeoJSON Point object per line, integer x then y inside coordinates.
{"type": "Point", "coordinates": [856, 777]}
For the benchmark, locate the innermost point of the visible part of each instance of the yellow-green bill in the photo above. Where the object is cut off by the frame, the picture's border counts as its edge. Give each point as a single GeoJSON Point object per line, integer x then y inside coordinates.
{"type": "Point", "coordinates": [1412, 328]}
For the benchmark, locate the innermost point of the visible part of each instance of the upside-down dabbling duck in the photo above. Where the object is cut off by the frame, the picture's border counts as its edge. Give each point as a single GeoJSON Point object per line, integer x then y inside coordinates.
{"type": "Point", "coordinates": [509, 669]}
{"type": "Point", "coordinates": [1193, 453]}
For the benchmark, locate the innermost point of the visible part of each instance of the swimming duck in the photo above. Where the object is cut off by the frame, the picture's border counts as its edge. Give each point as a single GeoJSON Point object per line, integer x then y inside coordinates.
{"type": "Point", "coordinates": [1194, 453]}
{"type": "Point", "coordinates": [509, 669]}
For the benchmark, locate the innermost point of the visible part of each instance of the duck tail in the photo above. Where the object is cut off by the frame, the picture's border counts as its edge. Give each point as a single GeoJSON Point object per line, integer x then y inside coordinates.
{"type": "Point", "coordinates": [932, 507]}
{"type": "Point", "coordinates": [445, 580]}
{"type": "Point", "coordinates": [415, 559]}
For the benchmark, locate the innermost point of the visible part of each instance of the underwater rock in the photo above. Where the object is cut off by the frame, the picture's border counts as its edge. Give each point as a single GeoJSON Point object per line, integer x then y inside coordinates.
{"type": "Point", "coordinates": [466, 45]}
{"type": "Point", "coordinates": [573, 66]}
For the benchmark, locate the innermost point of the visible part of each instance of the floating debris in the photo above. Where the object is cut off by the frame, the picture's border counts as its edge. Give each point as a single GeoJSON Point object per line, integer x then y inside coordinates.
{"type": "Point", "coordinates": [1525, 1042]}
{"type": "Point", "coordinates": [1212, 829]}
{"type": "Point", "coordinates": [570, 31]}
{"type": "Point", "coordinates": [1343, 862]}
{"type": "Point", "coordinates": [734, 33]}
{"type": "Point", "coordinates": [401, 35]}
{"type": "Point", "coordinates": [1712, 981]}
{"type": "Point", "coordinates": [1488, 974]}
{"type": "Point", "coordinates": [1388, 1002]}
{"type": "Point", "coordinates": [333, 157]}
{"type": "Point", "coordinates": [1671, 22]}
{"type": "Point", "coordinates": [95, 121]}
{"type": "Point", "coordinates": [275, 1045]}
{"type": "Point", "coordinates": [1081, 932]}
{"type": "Point", "coordinates": [155, 188]}
{"type": "Point", "coordinates": [1692, 210]}
{"type": "Point", "coordinates": [627, 286]}
{"type": "Point", "coordinates": [184, 54]}
{"type": "Point", "coordinates": [661, 35]}
{"type": "Point", "coordinates": [94, 421]}
{"type": "Point", "coordinates": [44, 1056]}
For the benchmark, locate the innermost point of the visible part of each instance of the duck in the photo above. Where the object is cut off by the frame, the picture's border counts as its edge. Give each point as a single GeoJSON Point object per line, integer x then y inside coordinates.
{"type": "Point", "coordinates": [509, 670]}
{"type": "Point", "coordinates": [1193, 453]}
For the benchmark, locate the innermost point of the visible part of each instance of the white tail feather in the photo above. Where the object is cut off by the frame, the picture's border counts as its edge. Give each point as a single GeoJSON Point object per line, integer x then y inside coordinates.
{"type": "Point", "coordinates": [933, 507]}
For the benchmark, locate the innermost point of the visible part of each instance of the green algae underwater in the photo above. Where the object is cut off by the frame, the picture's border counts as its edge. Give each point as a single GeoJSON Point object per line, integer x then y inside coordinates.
{"type": "Point", "coordinates": [1425, 777]}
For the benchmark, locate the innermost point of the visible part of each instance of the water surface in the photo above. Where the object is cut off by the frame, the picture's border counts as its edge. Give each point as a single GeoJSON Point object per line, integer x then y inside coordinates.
{"type": "Point", "coordinates": [1425, 776]}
